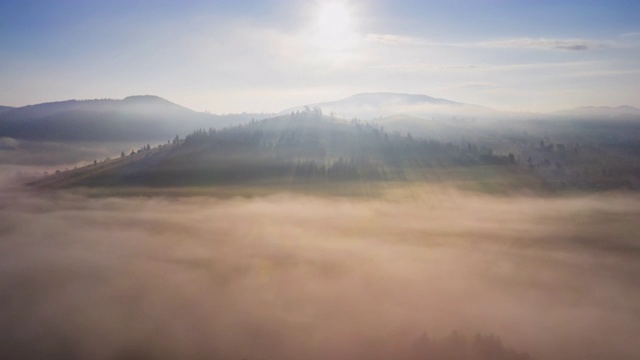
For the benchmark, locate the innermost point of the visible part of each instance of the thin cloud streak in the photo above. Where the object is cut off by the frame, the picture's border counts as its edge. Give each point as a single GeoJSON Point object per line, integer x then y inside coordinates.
{"type": "Point", "coordinates": [515, 43]}
{"type": "Point", "coordinates": [550, 44]}
{"type": "Point", "coordinates": [426, 67]}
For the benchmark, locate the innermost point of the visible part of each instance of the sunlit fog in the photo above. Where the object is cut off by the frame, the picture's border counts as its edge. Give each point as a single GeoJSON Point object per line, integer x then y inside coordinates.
{"type": "Point", "coordinates": [291, 276]}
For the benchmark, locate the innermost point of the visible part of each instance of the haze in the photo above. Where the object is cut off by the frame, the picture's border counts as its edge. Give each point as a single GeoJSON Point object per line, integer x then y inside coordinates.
{"type": "Point", "coordinates": [340, 179]}
{"type": "Point", "coordinates": [169, 278]}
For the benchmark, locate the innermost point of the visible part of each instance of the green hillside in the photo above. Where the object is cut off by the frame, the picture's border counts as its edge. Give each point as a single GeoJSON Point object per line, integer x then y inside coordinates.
{"type": "Point", "coordinates": [308, 150]}
{"type": "Point", "coordinates": [296, 148]}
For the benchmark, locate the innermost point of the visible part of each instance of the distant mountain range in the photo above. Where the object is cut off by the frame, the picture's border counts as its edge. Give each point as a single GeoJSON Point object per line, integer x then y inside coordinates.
{"type": "Point", "coordinates": [375, 105]}
{"type": "Point", "coordinates": [135, 118]}
{"type": "Point", "coordinates": [152, 118]}
{"type": "Point", "coordinates": [603, 112]}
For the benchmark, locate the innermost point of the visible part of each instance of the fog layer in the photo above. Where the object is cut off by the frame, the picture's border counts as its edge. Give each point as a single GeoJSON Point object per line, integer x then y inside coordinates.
{"type": "Point", "coordinates": [295, 277]}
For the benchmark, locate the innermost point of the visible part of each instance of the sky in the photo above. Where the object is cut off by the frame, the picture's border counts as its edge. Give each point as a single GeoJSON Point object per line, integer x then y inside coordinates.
{"type": "Point", "coordinates": [266, 56]}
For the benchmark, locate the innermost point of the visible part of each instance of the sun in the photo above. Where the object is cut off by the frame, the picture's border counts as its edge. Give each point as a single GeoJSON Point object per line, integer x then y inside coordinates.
{"type": "Point", "coordinates": [334, 15]}
{"type": "Point", "coordinates": [333, 30]}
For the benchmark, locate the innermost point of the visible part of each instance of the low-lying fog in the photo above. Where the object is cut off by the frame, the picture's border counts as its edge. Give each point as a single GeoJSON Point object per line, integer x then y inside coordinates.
{"type": "Point", "coordinates": [297, 277]}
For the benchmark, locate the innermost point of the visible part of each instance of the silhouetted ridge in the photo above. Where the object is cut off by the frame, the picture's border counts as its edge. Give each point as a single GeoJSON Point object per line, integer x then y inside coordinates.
{"type": "Point", "coordinates": [135, 118]}
{"type": "Point", "coordinates": [300, 147]}
{"type": "Point", "coordinates": [412, 99]}
{"type": "Point", "coordinates": [4, 109]}
{"type": "Point", "coordinates": [148, 99]}
{"type": "Point", "coordinates": [377, 104]}
{"type": "Point", "coordinates": [145, 98]}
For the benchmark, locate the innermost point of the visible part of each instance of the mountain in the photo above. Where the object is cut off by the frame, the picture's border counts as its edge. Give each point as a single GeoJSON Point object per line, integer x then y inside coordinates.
{"type": "Point", "coordinates": [385, 106]}
{"type": "Point", "coordinates": [4, 109]}
{"type": "Point", "coordinates": [375, 105]}
{"type": "Point", "coordinates": [600, 112]}
{"type": "Point", "coordinates": [314, 151]}
{"type": "Point", "coordinates": [135, 118]}
{"type": "Point", "coordinates": [303, 148]}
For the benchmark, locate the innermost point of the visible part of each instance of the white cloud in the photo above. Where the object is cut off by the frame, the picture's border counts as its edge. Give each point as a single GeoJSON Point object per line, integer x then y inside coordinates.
{"type": "Point", "coordinates": [549, 44]}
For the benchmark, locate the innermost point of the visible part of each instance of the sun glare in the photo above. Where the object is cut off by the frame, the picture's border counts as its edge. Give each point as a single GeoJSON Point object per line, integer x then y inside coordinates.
{"type": "Point", "coordinates": [333, 31]}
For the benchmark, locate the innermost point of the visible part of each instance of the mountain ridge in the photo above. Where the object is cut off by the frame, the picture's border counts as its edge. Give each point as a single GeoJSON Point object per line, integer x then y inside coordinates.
{"type": "Point", "coordinates": [137, 117]}
{"type": "Point", "coordinates": [309, 149]}
{"type": "Point", "coordinates": [607, 111]}
{"type": "Point", "coordinates": [4, 109]}
{"type": "Point", "coordinates": [387, 104]}
{"type": "Point", "coordinates": [375, 104]}
{"type": "Point", "coordinates": [288, 150]}
{"type": "Point", "coordinates": [151, 118]}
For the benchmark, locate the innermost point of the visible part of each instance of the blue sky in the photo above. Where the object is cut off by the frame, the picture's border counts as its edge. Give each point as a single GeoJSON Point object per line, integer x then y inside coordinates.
{"type": "Point", "coordinates": [234, 56]}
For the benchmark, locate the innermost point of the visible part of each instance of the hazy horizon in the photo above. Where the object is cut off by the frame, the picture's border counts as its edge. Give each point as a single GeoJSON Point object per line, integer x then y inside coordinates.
{"type": "Point", "coordinates": [266, 56]}
{"type": "Point", "coordinates": [390, 109]}
{"type": "Point", "coordinates": [285, 218]}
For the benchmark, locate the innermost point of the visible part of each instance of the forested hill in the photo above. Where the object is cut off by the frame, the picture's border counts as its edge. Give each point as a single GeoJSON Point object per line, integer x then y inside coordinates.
{"type": "Point", "coordinates": [301, 146]}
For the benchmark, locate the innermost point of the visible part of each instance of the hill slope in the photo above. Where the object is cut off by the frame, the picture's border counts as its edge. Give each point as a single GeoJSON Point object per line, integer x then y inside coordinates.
{"type": "Point", "coordinates": [133, 118]}
{"type": "Point", "coordinates": [4, 109]}
{"type": "Point", "coordinates": [306, 147]}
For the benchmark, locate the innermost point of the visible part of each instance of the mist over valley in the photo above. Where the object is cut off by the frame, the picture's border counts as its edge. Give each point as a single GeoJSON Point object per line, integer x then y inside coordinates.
{"type": "Point", "coordinates": [340, 179]}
